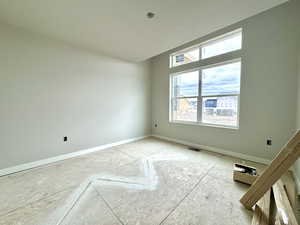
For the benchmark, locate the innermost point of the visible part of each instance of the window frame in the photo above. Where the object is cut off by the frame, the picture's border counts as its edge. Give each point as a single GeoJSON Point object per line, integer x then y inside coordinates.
{"type": "Point", "coordinates": [171, 61]}
{"type": "Point", "coordinates": [172, 97]}
{"type": "Point", "coordinates": [200, 97]}
{"type": "Point", "coordinates": [223, 37]}
{"type": "Point", "coordinates": [204, 44]}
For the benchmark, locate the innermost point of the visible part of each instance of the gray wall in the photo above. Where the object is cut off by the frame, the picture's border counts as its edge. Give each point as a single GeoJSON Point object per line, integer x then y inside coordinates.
{"type": "Point", "coordinates": [268, 87]}
{"type": "Point", "coordinates": [297, 164]}
{"type": "Point", "coordinates": [49, 90]}
{"type": "Point", "coordinates": [298, 100]}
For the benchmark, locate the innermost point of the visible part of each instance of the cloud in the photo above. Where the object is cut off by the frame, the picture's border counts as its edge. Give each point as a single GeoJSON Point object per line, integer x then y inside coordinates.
{"type": "Point", "coordinates": [219, 80]}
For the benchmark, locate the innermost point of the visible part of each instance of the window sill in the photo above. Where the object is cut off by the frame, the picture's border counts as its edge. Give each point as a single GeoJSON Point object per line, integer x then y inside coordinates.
{"type": "Point", "coordinates": [203, 124]}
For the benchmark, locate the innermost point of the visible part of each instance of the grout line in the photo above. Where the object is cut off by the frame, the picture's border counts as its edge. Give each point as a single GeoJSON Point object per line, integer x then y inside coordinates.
{"type": "Point", "coordinates": [74, 203]}
{"type": "Point", "coordinates": [41, 199]}
{"type": "Point", "coordinates": [119, 166]}
{"type": "Point", "coordinates": [195, 186]}
{"type": "Point", "coordinates": [52, 194]}
{"type": "Point", "coordinates": [118, 181]}
{"type": "Point", "coordinates": [110, 208]}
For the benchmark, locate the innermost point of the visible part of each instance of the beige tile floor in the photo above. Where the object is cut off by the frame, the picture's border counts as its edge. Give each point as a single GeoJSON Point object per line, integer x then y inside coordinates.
{"type": "Point", "coordinates": [149, 182]}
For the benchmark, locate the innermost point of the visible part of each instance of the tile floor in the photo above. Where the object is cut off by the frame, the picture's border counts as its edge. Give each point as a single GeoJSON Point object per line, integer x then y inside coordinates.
{"type": "Point", "coordinates": [148, 182]}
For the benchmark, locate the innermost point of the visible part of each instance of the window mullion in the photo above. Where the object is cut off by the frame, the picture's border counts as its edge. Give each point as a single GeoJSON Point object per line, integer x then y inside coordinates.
{"type": "Point", "coordinates": [199, 100]}
{"type": "Point", "coordinates": [220, 95]}
{"type": "Point", "coordinates": [184, 97]}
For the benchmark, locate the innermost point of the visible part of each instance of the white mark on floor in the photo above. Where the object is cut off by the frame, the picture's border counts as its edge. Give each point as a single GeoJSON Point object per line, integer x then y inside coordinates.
{"type": "Point", "coordinates": [148, 181]}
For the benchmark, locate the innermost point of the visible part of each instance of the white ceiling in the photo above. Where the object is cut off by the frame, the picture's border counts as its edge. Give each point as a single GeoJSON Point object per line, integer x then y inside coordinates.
{"type": "Point", "coordinates": [120, 28]}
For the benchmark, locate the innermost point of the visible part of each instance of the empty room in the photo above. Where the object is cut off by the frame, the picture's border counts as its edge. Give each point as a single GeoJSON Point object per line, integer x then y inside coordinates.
{"type": "Point", "coordinates": [135, 112]}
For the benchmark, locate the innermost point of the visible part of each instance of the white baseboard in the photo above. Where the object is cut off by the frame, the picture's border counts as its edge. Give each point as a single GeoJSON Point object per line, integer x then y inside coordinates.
{"type": "Point", "coordinates": [217, 150]}
{"type": "Point", "coordinates": [43, 162]}
{"type": "Point", "coordinates": [230, 153]}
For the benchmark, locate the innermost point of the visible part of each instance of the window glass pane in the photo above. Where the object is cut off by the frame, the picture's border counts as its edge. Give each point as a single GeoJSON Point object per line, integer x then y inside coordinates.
{"type": "Point", "coordinates": [185, 109]}
{"type": "Point", "coordinates": [186, 84]}
{"type": "Point", "coordinates": [223, 45]}
{"type": "Point", "coordinates": [220, 110]}
{"type": "Point", "coordinates": [191, 55]}
{"type": "Point", "coordinates": [220, 80]}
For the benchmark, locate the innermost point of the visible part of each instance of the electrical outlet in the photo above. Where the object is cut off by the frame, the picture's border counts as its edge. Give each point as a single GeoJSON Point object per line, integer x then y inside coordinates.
{"type": "Point", "coordinates": [65, 138]}
{"type": "Point", "coordinates": [269, 142]}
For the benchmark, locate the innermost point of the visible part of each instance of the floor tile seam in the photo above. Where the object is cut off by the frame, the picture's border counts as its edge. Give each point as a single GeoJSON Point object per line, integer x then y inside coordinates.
{"type": "Point", "coordinates": [85, 156]}
{"type": "Point", "coordinates": [108, 206]}
{"type": "Point", "coordinates": [113, 207]}
{"type": "Point", "coordinates": [38, 200]}
{"type": "Point", "coordinates": [186, 196]}
{"type": "Point", "coordinates": [203, 175]}
{"type": "Point", "coordinates": [82, 192]}
{"type": "Point", "coordinates": [52, 194]}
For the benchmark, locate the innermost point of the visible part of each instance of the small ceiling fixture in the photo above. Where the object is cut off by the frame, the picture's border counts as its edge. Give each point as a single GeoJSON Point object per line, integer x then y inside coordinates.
{"type": "Point", "coordinates": [150, 15]}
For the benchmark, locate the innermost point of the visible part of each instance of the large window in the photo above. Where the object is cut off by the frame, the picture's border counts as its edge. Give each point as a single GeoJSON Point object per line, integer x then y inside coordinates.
{"type": "Point", "coordinates": [209, 94]}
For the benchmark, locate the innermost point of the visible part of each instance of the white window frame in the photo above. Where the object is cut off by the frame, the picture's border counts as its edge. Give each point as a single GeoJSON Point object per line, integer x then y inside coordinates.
{"type": "Point", "coordinates": [204, 44]}
{"type": "Point", "coordinates": [182, 52]}
{"type": "Point", "coordinates": [223, 37]}
{"type": "Point", "coordinates": [173, 98]}
{"type": "Point", "coordinates": [218, 61]}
